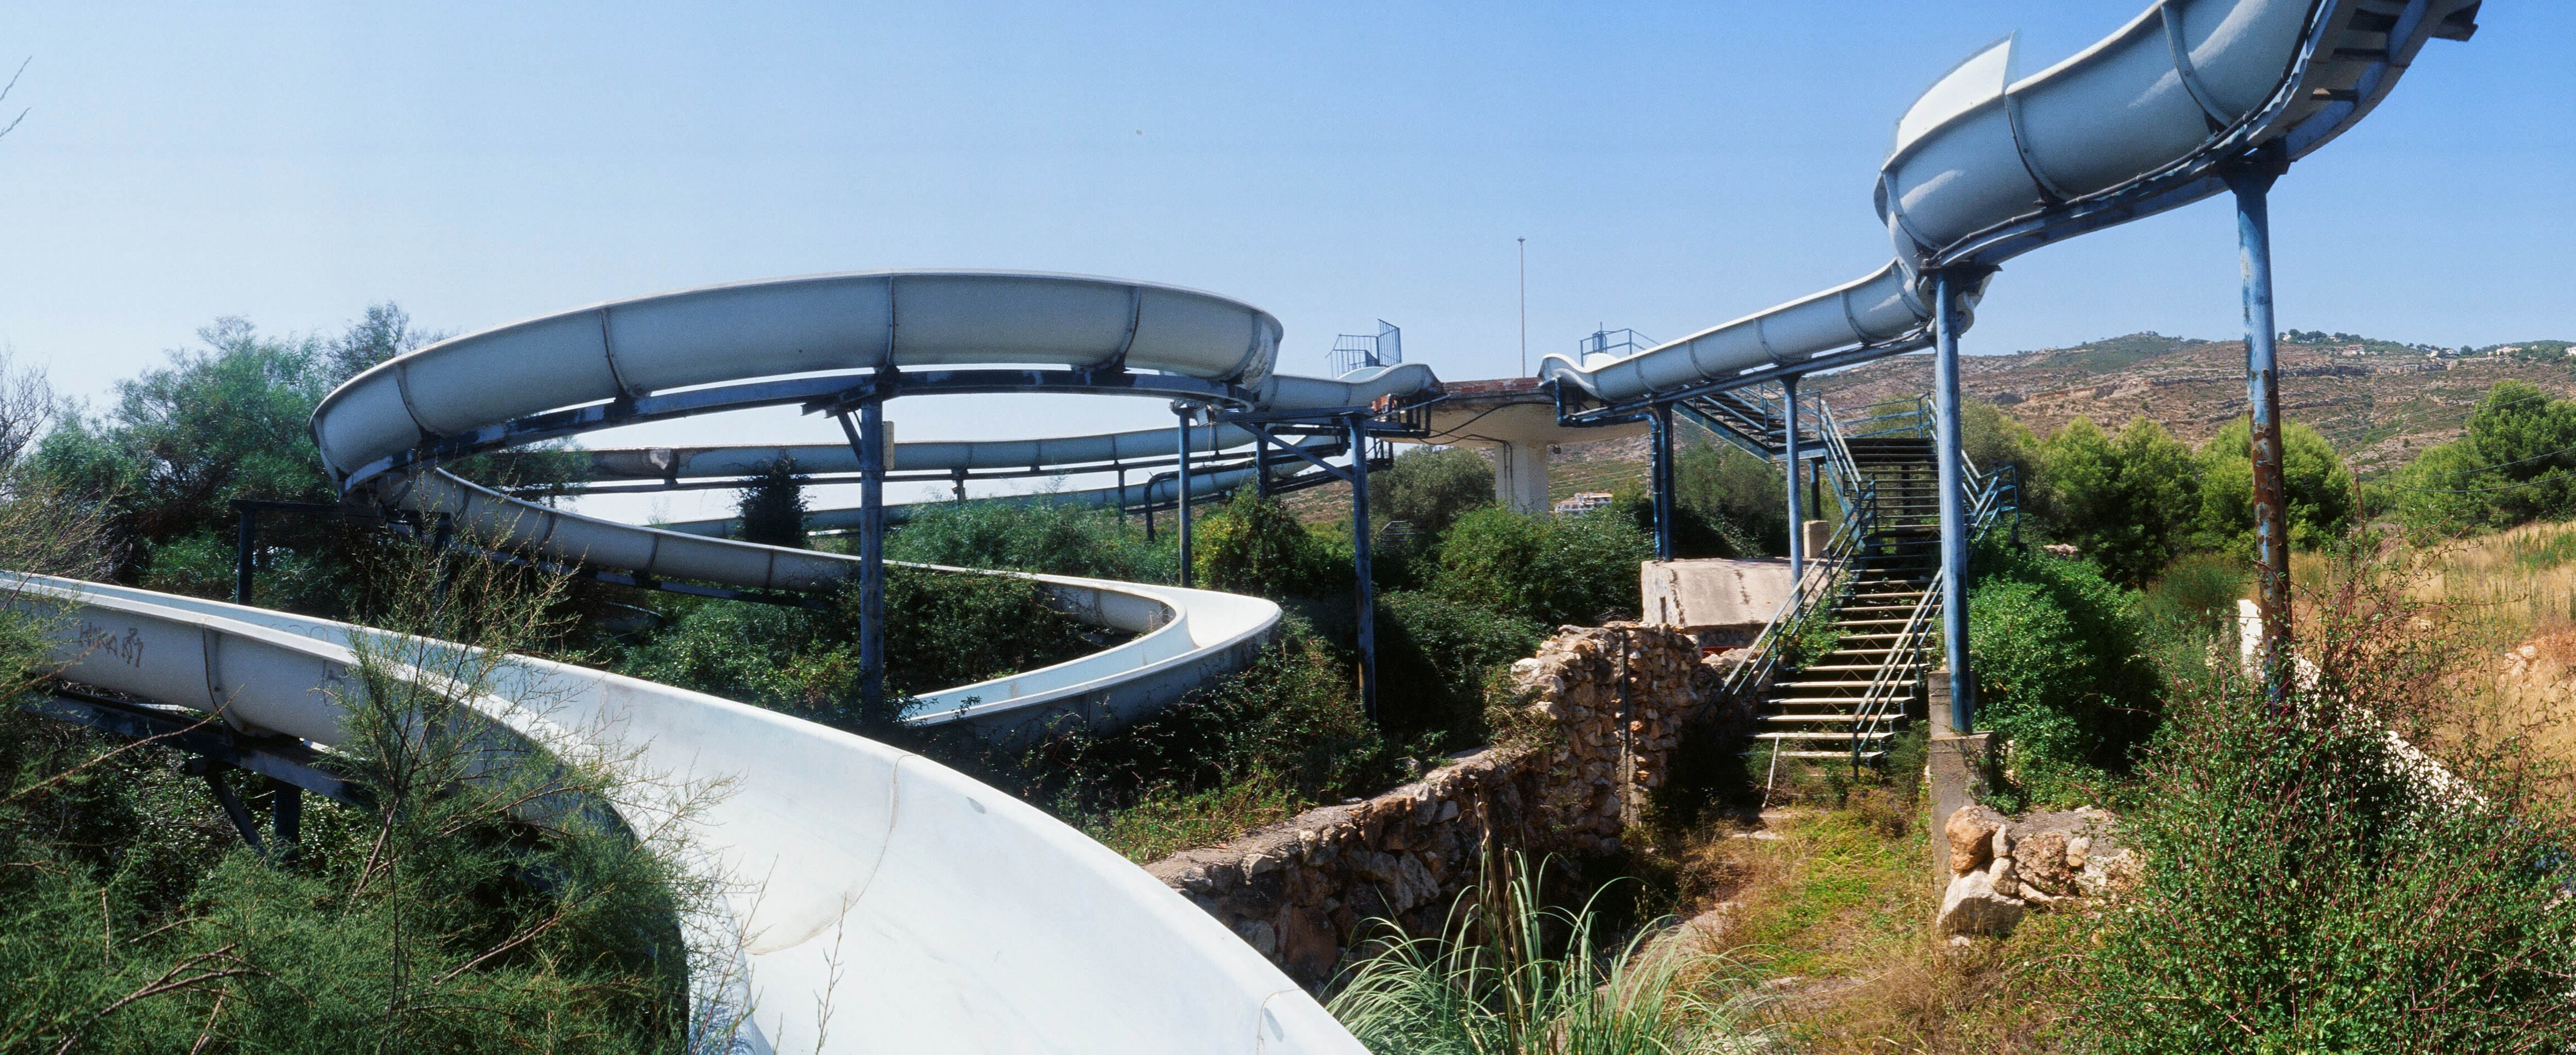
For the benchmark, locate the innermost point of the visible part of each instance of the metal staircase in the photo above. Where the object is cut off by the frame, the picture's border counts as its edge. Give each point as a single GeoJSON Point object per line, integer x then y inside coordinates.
{"type": "Point", "coordinates": [1842, 660]}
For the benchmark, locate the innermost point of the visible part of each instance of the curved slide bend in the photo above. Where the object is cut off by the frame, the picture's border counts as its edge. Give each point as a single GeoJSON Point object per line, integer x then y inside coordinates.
{"type": "Point", "coordinates": [927, 912]}
{"type": "Point", "coordinates": [1985, 167]}
{"type": "Point", "coordinates": [382, 434]}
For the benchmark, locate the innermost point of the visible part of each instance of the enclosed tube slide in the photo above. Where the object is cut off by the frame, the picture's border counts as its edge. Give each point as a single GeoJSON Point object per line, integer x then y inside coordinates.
{"type": "Point", "coordinates": [1985, 166]}
{"type": "Point", "coordinates": [879, 901]}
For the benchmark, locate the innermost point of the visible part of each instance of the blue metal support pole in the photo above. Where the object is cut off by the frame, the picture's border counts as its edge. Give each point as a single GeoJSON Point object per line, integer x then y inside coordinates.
{"type": "Point", "coordinates": [1261, 463]}
{"type": "Point", "coordinates": [1660, 424]}
{"type": "Point", "coordinates": [1366, 589]}
{"type": "Point", "coordinates": [1954, 500]}
{"type": "Point", "coordinates": [867, 440]}
{"type": "Point", "coordinates": [2252, 182]}
{"type": "Point", "coordinates": [1181, 488]}
{"type": "Point", "coordinates": [1789, 447]}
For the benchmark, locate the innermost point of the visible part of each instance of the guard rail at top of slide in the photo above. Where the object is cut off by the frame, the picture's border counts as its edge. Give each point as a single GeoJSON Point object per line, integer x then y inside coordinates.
{"type": "Point", "coordinates": [941, 915]}
{"type": "Point", "coordinates": [1985, 167]}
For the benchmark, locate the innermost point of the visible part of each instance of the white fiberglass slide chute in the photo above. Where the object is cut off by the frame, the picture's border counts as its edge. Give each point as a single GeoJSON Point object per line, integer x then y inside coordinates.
{"type": "Point", "coordinates": [381, 435]}
{"type": "Point", "coordinates": [929, 913]}
{"type": "Point", "coordinates": [1985, 166]}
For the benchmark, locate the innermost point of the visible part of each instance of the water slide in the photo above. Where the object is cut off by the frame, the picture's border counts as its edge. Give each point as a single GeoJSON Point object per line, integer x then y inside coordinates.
{"type": "Point", "coordinates": [1987, 165]}
{"type": "Point", "coordinates": [930, 913]}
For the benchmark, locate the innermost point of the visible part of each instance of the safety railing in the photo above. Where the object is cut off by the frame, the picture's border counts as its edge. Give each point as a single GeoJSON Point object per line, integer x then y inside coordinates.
{"type": "Point", "coordinates": [1909, 656]}
{"type": "Point", "coordinates": [1812, 596]}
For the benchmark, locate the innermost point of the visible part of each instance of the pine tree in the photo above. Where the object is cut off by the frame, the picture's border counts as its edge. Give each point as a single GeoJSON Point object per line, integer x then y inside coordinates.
{"type": "Point", "coordinates": [772, 506]}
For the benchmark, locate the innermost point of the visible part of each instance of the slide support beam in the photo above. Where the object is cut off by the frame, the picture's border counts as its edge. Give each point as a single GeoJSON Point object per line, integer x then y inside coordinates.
{"type": "Point", "coordinates": [1181, 489]}
{"type": "Point", "coordinates": [1789, 454]}
{"type": "Point", "coordinates": [1954, 499]}
{"type": "Point", "coordinates": [2252, 182]}
{"type": "Point", "coordinates": [1660, 423]}
{"type": "Point", "coordinates": [1364, 587]}
{"type": "Point", "coordinates": [867, 440]}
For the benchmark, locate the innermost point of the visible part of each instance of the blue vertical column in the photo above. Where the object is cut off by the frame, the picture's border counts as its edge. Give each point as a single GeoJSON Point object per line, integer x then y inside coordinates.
{"type": "Point", "coordinates": [1366, 588]}
{"type": "Point", "coordinates": [1954, 499]}
{"type": "Point", "coordinates": [1660, 424]}
{"type": "Point", "coordinates": [1797, 510]}
{"type": "Point", "coordinates": [867, 440]}
{"type": "Point", "coordinates": [1181, 487]}
{"type": "Point", "coordinates": [2252, 182]}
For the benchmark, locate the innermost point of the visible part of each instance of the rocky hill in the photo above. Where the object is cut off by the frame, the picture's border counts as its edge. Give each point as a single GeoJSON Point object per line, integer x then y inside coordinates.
{"type": "Point", "coordinates": [2377, 401]}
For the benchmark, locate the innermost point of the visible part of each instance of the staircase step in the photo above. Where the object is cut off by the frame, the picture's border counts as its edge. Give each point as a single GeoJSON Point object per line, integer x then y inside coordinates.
{"type": "Point", "coordinates": [1827, 737]}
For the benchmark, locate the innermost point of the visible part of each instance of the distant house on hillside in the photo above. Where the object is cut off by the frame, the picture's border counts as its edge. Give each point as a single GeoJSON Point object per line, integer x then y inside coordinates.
{"type": "Point", "coordinates": [2352, 349]}
{"type": "Point", "coordinates": [1583, 502]}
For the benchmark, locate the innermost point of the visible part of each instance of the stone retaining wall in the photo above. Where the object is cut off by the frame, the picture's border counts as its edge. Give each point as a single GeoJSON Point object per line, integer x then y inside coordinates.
{"type": "Point", "coordinates": [1602, 707]}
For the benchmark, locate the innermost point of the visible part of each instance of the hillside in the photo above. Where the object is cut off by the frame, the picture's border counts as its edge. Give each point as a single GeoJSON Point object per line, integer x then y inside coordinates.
{"type": "Point", "coordinates": [2378, 401]}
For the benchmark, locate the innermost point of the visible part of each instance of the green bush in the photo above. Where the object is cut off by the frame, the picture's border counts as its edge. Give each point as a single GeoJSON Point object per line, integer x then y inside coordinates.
{"type": "Point", "coordinates": [1054, 538]}
{"type": "Point", "coordinates": [2515, 465]}
{"type": "Point", "coordinates": [1435, 657]}
{"type": "Point", "coordinates": [1428, 487]}
{"type": "Point", "coordinates": [2307, 888]}
{"type": "Point", "coordinates": [2126, 501]}
{"type": "Point", "coordinates": [1547, 570]}
{"type": "Point", "coordinates": [945, 629]}
{"type": "Point", "coordinates": [1252, 545]}
{"type": "Point", "coordinates": [2199, 591]}
{"type": "Point", "coordinates": [1734, 496]}
{"type": "Point", "coordinates": [2061, 677]}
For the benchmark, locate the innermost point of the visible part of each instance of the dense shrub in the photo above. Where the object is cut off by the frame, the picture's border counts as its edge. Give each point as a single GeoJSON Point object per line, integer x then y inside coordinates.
{"type": "Point", "coordinates": [1739, 499]}
{"type": "Point", "coordinates": [1548, 570]}
{"type": "Point", "coordinates": [2060, 673]}
{"type": "Point", "coordinates": [2308, 887]}
{"type": "Point", "coordinates": [1435, 657]}
{"type": "Point", "coordinates": [2198, 591]}
{"type": "Point", "coordinates": [1428, 487]}
{"type": "Point", "coordinates": [1056, 538]}
{"type": "Point", "coordinates": [945, 629]}
{"type": "Point", "coordinates": [1252, 545]}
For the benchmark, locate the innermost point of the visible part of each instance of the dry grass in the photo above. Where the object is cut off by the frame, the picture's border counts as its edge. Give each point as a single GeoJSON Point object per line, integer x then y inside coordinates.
{"type": "Point", "coordinates": [1832, 920]}
{"type": "Point", "coordinates": [2512, 596]}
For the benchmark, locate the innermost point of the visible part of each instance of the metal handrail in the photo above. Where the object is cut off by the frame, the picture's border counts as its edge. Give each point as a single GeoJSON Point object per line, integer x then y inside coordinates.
{"type": "Point", "coordinates": [1824, 580]}
{"type": "Point", "coordinates": [1880, 704]}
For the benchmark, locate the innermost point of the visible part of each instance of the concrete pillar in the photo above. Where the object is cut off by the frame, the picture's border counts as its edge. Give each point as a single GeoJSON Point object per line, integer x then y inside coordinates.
{"type": "Point", "coordinates": [1520, 476]}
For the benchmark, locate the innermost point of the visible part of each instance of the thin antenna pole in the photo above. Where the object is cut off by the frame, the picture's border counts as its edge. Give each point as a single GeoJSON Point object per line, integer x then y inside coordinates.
{"type": "Point", "coordinates": [1524, 308]}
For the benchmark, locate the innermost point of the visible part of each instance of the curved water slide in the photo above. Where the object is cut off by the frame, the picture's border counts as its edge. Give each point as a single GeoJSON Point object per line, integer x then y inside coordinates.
{"type": "Point", "coordinates": [803, 340]}
{"type": "Point", "coordinates": [1987, 165]}
{"type": "Point", "coordinates": [879, 901]}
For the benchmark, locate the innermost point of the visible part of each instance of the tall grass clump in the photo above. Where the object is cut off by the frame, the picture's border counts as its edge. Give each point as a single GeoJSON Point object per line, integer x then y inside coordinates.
{"type": "Point", "coordinates": [2314, 883]}
{"type": "Point", "coordinates": [1510, 975]}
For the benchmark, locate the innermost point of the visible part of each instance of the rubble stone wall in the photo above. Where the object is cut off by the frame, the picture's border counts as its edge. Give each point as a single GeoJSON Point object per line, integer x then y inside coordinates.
{"type": "Point", "coordinates": [1603, 709]}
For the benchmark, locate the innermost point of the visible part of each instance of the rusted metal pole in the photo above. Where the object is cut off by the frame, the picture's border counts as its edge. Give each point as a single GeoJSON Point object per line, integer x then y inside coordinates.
{"type": "Point", "coordinates": [1954, 499]}
{"type": "Point", "coordinates": [2252, 182]}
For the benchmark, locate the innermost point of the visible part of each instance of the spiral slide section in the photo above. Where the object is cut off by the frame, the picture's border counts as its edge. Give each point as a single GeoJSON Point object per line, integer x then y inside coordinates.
{"type": "Point", "coordinates": [383, 434]}
{"type": "Point", "coordinates": [1986, 166]}
{"type": "Point", "coordinates": [881, 901]}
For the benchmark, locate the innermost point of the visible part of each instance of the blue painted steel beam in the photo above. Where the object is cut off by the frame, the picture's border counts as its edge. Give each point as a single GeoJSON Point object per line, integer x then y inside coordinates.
{"type": "Point", "coordinates": [867, 440]}
{"type": "Point", "coordinates": [1789, 456]}
{"type": "Point", "coordinates": [1660, 425]}
{"type": "Point", "coordinates": [1181, 413]}
{"type": "Point", "coordinates": [1365, 588]}
{"type": "Point", "coordinates": [1947, 286]}
{"type": "Point", "coordinates": [2252, 182]}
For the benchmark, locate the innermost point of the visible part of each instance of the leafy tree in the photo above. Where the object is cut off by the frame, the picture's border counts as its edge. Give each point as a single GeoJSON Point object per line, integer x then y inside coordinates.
{"type": "Point", "coordinates": [2320, 490]}
{"type": "Point", "coordinates": [384, 333]}
{"type": "Point", "coordinates": [2059, 673]}
{"type": "Point", "coordinates": [772, 506]}
{"type": "Point", "coordinates": [2516, 464]}
{"type": "Point", "coordinates": [1428, 487]}
{"type": "Point", "coordinates": [2126, 500]}
{"type": "Point", "coordinates": [1055, 538]}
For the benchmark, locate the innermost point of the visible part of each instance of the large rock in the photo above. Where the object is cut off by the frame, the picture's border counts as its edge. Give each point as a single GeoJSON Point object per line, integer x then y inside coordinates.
{"type": "Point", "coordinates": [2044, 862]}
{"type": "Point", "coordinates": [1971, 831]}
{"type": "Point", "coordinates": [1973, 906]}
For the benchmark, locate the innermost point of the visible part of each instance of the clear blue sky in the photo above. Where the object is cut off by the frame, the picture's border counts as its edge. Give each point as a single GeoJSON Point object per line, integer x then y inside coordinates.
{"type": "Point", "coordinates": [1671, 165]}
